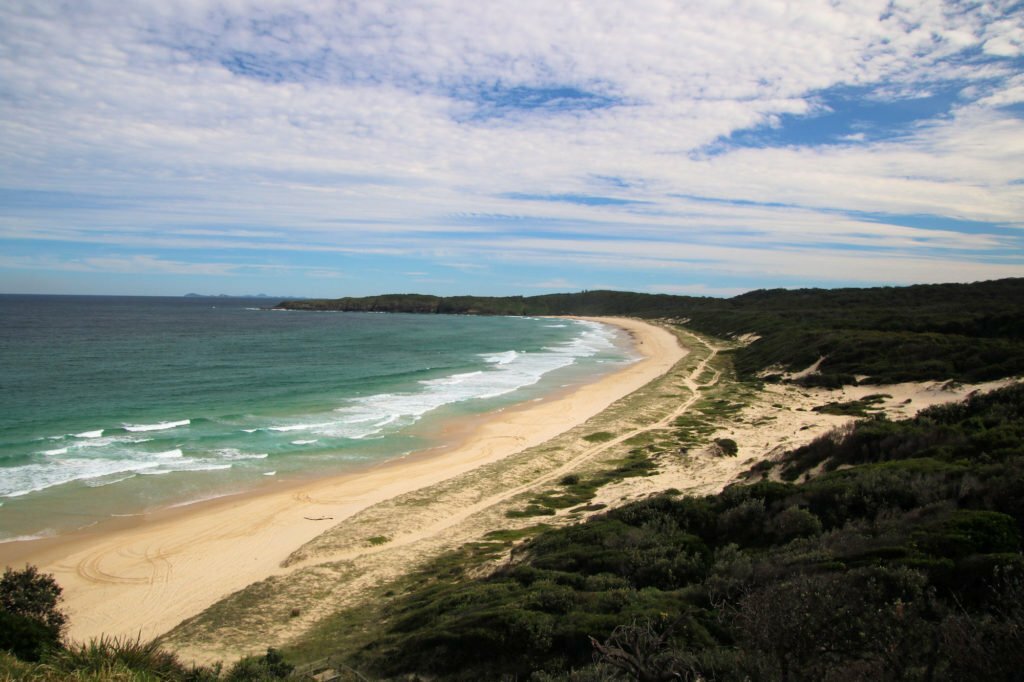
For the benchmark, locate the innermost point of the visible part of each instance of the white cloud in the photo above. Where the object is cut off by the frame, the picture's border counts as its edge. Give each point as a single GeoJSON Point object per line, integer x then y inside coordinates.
{"type": "Point", "coordinates": [366, 128]}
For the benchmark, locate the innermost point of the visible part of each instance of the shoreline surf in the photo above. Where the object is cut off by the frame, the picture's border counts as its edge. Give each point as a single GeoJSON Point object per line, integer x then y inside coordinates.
{"type": "Point", "coordinates": [352, 390]}
{"type": "Point", "coordinates": [147, 573]}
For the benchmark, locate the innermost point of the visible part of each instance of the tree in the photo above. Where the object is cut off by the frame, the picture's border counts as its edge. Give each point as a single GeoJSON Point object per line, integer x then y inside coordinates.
{"type": "Point", "coordinates": [28, 610]}
{"type": "Point", "coordinates": [34, 595]}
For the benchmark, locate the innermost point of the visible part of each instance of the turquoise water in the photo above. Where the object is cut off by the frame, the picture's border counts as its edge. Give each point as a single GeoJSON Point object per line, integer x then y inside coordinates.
{"type": "Point", "coordinates": [113, 406]}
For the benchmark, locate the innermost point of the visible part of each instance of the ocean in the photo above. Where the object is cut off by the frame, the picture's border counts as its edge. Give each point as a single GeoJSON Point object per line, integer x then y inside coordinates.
{"type": "Point", "coordinates": [114, 406]}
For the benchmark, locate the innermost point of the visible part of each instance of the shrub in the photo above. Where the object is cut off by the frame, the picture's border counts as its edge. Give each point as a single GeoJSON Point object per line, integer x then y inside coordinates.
{"type": "Point", "coordinates": [26, 638]}
{"type": "Point", "coordinates": [270, 666]}
{"type": "Point", "coordinates": [727, 446]}
{"type": "Point", "coordinates": [133, 657]}
{"type": "Point", "coordinates": [793, 523]}
{"type": "Point", "coordinates": [34, 595]}
{"type": "Point", "coordinates": [31, 622]}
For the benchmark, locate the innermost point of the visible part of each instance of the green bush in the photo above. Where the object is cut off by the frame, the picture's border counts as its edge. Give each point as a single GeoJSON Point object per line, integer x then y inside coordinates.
{"type": "Point", "coordinates": [143, 660]}
{"type": "Point", "coordinates": [898, 562]}
{"type": "Point", "coordinates": [25, 637]}
{"type": "Point", "coordinates": [793, 523]}
{"type": "Point", "coordinates": [727, 446]}
{"type": "Point", "coordinates": [32, 621]}
{"type": "Point", "coordinates": [270, 666]}
{"type": "Point", "coordinates": [32, 594]}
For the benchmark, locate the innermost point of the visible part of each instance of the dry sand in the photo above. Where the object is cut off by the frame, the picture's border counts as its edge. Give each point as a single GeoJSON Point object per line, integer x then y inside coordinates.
{"type": "Point", "coordinates": [780, 418]}
{"type": "Point", "coordinates": [170, 565]}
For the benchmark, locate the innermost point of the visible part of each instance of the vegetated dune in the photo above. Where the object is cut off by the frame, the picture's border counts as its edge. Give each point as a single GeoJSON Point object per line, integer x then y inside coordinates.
{"type": "Point", "coordinates": [661, 437]}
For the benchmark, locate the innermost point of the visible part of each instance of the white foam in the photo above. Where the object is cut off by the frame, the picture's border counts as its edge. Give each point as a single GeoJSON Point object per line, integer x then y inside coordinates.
{"type": "Point", "coordinates": [507, 371]}
{"type": "Point", "coordinates": [200, 465]}
{"type": "Point", "coordinates": [104, 481]}
{"type": "Point", "coordinates": [32, 478]}
{"type": "Point", "coordinates": [269, 473]}
{"type": "Point", "coordinates": [159, 426]}
{"type": "Point", "coordinates": [300, 427]}
{"type": "Point", "coordinates": [100, 457]}
{"type": "Point", "coordinates": [208, 498]}
{"type": "Point", "coordinates": [452, 380]}
{"type": "Point", "coordinates": [28, 538]}
{"type": "Point", "coordinates": [234, 453]}
{"type": "Point", "coordinates": [98, 442]}
{"type": "Point", "coordinates": [501, 358]}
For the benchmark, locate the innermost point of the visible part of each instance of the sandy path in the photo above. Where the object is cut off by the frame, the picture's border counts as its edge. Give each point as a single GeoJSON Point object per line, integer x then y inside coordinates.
{"type": "Point", "coordinates": [147, 578]}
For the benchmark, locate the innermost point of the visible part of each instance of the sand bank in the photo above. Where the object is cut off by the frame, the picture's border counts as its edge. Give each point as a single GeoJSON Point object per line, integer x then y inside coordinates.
{"type": "Point", "coordinates": [172, 564]}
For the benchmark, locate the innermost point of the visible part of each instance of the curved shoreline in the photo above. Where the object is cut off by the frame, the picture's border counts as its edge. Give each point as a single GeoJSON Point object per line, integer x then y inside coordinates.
{"type": "Point", "coordinates": [156, 571]}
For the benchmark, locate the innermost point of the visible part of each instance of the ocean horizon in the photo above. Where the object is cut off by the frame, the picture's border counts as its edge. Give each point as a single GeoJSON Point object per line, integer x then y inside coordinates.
{"type": "Point", "coordinates": [116, 406]}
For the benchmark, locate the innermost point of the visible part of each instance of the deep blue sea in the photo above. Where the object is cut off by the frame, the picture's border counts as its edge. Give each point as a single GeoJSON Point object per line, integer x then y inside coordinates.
{"type": "Point", "coordinates": [118, 405]}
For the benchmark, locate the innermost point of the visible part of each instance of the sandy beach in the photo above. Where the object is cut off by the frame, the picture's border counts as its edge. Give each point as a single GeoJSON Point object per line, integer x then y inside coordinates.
{"type": "Point", "coordinates": [148, 576]}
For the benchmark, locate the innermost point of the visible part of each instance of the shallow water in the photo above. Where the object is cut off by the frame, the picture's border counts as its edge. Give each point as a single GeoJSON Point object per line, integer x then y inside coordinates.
{"type": "Point", "coordinates": [111, 406]}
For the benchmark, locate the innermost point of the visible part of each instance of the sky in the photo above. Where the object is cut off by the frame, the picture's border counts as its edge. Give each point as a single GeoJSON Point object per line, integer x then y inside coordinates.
{"type": "Point", "coordinates": [333, 148]}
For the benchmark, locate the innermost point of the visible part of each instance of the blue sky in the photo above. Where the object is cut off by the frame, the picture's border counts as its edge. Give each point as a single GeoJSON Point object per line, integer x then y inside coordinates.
{"type": "Point", "coordinates": [352, 148]}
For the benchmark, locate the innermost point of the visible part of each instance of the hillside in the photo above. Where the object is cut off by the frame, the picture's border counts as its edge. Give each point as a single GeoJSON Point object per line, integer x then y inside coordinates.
{"type": "Point", "coordinates": [959, 332]}
{"type": "Point", "coordinates": [902, 561]}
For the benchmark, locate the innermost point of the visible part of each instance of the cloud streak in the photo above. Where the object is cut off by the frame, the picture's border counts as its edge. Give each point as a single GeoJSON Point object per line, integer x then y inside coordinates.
{"type": "Point", "coordinates": [392, 135]}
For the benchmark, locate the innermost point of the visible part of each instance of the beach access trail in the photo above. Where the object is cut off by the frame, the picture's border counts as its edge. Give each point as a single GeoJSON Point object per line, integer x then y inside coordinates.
{"type": "Point", "coordinates": [145, 578]}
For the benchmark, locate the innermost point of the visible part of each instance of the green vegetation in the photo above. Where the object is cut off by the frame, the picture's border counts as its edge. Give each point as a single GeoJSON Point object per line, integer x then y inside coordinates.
{"type": "Point", "coordinates": [577, 491]}
{"type": "Point", "coordinates": [30, 621]}
{"type": "Point", "coordinates": [967, 332]}
{"type": "Point", "coordinates": [270, 666]}
{"type": "Point", "coordinates": [855, 408]}
{"type": "Point", "coordinates": [902, 561]}
{"type": "Point", "coordinates": [888, 550]}
{"type": "Point", "coordinates": [124, 658]}
{"type": "Point", "coordinates": [111, 659]}
{"type": "Point", "coordinates": [727, 446]}
{"type": "Point", "coordinates": [32, 648]}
